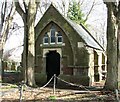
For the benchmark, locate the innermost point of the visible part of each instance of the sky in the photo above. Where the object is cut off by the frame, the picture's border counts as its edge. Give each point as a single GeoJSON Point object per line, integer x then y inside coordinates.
{"type": "Point", "coordinates": [97, 19]}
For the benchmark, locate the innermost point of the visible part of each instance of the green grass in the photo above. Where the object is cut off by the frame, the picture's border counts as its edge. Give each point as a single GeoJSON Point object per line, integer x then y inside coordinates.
{"type": "Point", "coordinates": [8, 86]}
{"type": "Point", "coordinates": [52, 97]}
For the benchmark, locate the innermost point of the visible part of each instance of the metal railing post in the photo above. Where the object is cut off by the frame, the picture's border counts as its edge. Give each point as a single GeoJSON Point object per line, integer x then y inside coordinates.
{"type": "Point", "coordinates": [54, 84]}
{"type": "Point", "coordinates": [21, 91]}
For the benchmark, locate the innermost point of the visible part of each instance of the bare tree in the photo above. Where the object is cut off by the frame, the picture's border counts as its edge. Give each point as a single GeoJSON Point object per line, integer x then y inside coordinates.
{"type": "Point", "coordinates": [28, 16]}
{"type": "Point", "coordinates": [6, 20]}
{"type": "Point", "coordinates": [113, 11]}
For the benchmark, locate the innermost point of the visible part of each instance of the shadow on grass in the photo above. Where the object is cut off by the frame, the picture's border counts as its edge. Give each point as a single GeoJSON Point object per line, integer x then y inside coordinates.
{"type": "Point", "coordinates": [58, 100]}
{"type": "Point", "coordinates": [40, 100]}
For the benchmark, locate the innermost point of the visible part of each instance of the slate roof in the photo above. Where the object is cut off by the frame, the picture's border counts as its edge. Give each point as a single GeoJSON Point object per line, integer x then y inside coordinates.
{"type": "Point", "coordinates": [85, 34]}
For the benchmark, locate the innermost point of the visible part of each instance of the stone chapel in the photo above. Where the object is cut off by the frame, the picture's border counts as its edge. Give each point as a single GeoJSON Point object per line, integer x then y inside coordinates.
{"type": "Point", "coordinates": [68, 50]}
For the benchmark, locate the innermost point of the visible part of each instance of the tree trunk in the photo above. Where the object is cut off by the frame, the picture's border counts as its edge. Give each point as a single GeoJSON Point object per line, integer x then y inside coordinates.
{"type": "Point", "coordinates": [31, 43]}
{"type": "Point", "coordinates": [1, 69]}
{"type": "Point", "coordinates": [118, 48]}
{"type": "Point", "coordinates": [25, 51]}
{"type": "Point", "coordinates": [28, 60]}
{"type": "Point", "coordinates": [112, 27]}
{"type": "Point", "coordinates": [118, 56]}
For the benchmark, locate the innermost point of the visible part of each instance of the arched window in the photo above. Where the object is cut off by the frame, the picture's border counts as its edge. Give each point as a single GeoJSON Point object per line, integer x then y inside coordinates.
{"type": "Point", "coordinates": [59, 37]}
{"type": "Point", "coordinates": [45, 39]}
{"type": "Point", "coordinates": [52, 35]}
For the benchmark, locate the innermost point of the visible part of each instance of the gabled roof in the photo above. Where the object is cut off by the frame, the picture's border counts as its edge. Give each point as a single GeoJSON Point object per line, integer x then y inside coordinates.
{"type": "Point", "coordinates": [81, 30]}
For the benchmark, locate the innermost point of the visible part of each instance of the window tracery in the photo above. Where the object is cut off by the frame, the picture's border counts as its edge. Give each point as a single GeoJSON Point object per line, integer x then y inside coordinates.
{"type": "Point", "coordinates": [53, 36]}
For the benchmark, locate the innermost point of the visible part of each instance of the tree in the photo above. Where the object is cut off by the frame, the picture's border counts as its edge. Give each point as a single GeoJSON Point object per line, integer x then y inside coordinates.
{"type": "Point", "coordinates": [6, 20]}
{"type": "Point", "coordinates": [118, 47]}
{"type": "Point", "coordinates": [28, 17]}
{"type": "Point", "coordinates": [75, 13]}
{"type": "Point", "coordinates": [113, 11]}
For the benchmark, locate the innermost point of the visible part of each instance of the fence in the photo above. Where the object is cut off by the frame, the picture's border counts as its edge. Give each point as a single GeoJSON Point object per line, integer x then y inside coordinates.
{"type": "Point", "coordinates": [22, 84]}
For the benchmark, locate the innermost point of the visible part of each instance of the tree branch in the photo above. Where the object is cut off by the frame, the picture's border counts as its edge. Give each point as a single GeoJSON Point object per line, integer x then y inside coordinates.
{"type": "Point", "coordinates": [37, 5]}
{"type": "Point", "coordinates": [25, 6]}
{"type": "Point", "coordinates": [119, 12]}
{"type": "Point", "coordinates": [8, 21]}
{"type": "Point", "coordinates": [81, 2]}
{"type": "Point", "coordinates": [90, 11]}
{"type": "Point", "coordinates": [3, 12]}
{"type": "Point", "coordinates": [19, 9]}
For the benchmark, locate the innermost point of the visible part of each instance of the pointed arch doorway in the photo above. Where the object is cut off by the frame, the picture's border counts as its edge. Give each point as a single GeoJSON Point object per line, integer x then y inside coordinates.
{"type": "Point", "coordinates": [52, 64]}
